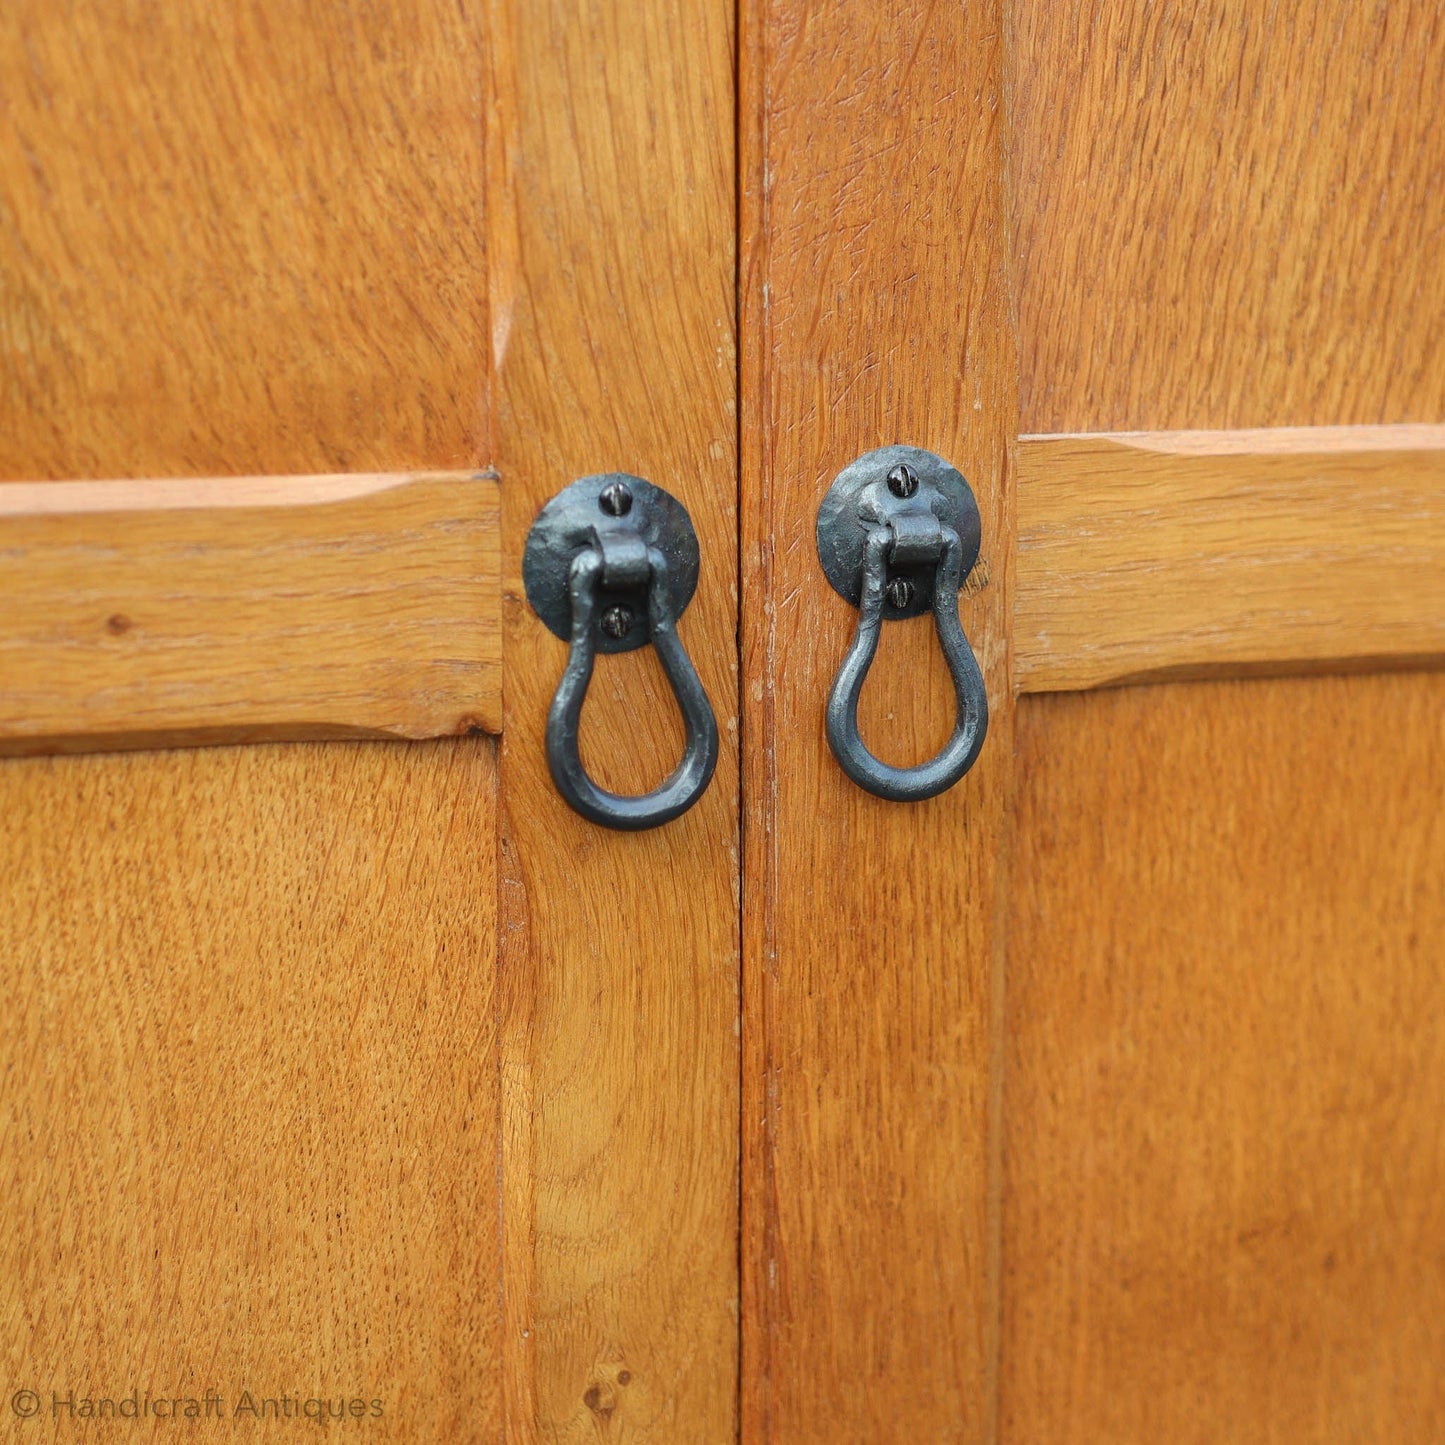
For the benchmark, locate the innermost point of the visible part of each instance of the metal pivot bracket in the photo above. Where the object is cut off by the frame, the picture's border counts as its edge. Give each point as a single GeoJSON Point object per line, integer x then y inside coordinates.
{"type": "Point", "coordinates": [898, 532]}
{"type": "Point", "coordinates": [610, 565]}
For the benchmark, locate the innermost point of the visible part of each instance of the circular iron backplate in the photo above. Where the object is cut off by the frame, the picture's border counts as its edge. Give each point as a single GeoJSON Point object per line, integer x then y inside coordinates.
{"type": "Point", "coordinates": [565, 527]}
{"type": "Point", "coordinates": [860, 496]}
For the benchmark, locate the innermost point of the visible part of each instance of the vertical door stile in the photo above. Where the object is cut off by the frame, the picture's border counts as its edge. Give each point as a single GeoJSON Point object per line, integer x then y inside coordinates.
{"type": "Point", "coordinates": [874, 311]}
{"type": "Point", "coordinates": [612, 243]}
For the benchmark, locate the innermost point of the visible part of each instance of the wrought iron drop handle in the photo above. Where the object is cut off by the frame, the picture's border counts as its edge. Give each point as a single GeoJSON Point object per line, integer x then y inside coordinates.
{"type": "Point", "coordinates": [898, 532]}
{"type": "Point", "coordinates": [610, 565]}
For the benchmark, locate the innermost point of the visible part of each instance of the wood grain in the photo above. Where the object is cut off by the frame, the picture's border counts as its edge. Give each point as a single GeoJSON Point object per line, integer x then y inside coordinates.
{"type": "Point", "coordinates": [1148, 555]}
{"type": "Point", "coordinates": [874, 312]}
{"type": "Point", "coordinates": [1225, 1170]}
{"type": "Point", "coordinates": [248, 1129]}
{"type": "Point", "coordinates": [251, 1105]}
{"type": "Point", "coordinates": [612, 231]}
{"type": "Point", "coordinates": [164, 612]}
{"type": "Point", "coordinates": [1222, 1164]}
{"type": "Point", "coordinates": [1228, 214]}
{"type": "Point", "coordinates": [241, 238]}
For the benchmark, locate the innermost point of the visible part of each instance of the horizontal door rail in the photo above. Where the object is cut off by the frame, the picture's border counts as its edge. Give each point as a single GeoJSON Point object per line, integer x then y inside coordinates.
{"type": "Point", "coordinates": [168, 612]}
{"type": "Point", "coordinates": [1153, 555]}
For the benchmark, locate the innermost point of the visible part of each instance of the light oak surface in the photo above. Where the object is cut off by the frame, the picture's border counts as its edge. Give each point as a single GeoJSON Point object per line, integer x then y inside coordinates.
{"type": "Point", "coordinates": [159, 612]}
{"type": "Point", "coordinates": [241, 238]}
{"type": "Point", "coordinates": [369, 1067]}
{"type": "Point", "coordinates": [611, 194]}
{"type": "Point", "coordinates": [874, 311]}
{"type": "Point", "coordinates": [1226, 1065]}
{"type": "Point", "coordinates": [1170, 554]}
{"type": "Point", "coordinates": [1227, 214]}
{"type": "Point", "coordinates": [248, 1123]}
{"type": "Point", "coordinates": [1224, 1061]}
{"type": "Point", "coordinates": [252, 1094]}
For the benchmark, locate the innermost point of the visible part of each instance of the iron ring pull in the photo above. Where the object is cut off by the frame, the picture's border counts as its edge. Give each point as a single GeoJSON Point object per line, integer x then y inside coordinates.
{"type": "Point", "coordinates": [898, 531]}
{"type": "Point", "coordinates": [700, 752]}
{"type": "Point", "coordinates": [941, 772]}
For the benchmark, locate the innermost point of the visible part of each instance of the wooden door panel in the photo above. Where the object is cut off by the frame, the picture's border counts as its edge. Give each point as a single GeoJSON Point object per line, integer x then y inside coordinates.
{"type": "Point", "coordinates": [249, 1128]}
{"type": "Point", "coordinates": [270, 241]}
{"type": "Point", "coordinates": [1225, 1065]}
{"type": "Point", "coordinates": [252, 1120]}
{"type": "Point", "coordinates": [1223, 1061]}
{"type": "Point", "coordinates": [243, 238]}
{"type": "Point", "coordinates": [1228, 215]}
{"type": "Point", "coordinates": [1222, 215]}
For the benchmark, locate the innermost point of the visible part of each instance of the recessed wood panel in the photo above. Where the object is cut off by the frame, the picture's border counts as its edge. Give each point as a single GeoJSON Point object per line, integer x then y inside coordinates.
{"type": "Point", "coordinates": [248, 1133]}
{"type": "Point", "coordinates": [1225, 1069]}
{"type": "Point", "coordinates": [240, 238]}
{"type": "Point", "coordinates": [251, 1111]}
{"type": "Point", "coordinates": [1228, 214]}
{"type": "Point", "coordinates": [1224, 1166]}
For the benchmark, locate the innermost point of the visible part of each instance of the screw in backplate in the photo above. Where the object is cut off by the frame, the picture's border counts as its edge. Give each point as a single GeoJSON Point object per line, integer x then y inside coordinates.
{"type": "Point", "coordinates": [899, 591]}
{"type": "Point", "coordinates": [902, 480]}
{"type": "Point", "coordinates": [616, 622]}
{"type": "Point", "coordinates": [616, 499]}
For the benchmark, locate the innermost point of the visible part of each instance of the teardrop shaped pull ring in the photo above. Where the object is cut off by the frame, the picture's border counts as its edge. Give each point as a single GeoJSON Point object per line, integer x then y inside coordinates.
{"type": "Point", "coordinates": [610, 565]}
{"type": "Point", "coordinates": [898, 532]}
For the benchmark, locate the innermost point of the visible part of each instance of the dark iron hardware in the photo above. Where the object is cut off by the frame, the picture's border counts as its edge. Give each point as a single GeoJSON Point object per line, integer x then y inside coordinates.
{"type": "Point", "coordinates": [897, 534]}
{"type": "Point", "coordinates": [610, 565]}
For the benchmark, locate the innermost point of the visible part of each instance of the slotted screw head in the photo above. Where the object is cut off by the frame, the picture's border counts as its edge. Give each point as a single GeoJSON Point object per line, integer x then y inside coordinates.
{"type": "Point", "coordinates": [902, 480]}
{"type": "Point", "coordinates": [899, 592]}
{"type": "Point", "coordinates": [616, 499]}
{"type": "Point", "coordinates": [616, 622]}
